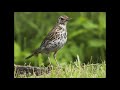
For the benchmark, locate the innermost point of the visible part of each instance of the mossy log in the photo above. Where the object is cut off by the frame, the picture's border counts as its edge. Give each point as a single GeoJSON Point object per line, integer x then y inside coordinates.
{"type": "Point", "coordinates": [31, 70]}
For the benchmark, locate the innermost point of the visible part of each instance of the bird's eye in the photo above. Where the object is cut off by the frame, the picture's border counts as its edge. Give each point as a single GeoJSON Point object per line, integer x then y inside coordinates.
{"type": "Point", "coordinates": [62, 19]}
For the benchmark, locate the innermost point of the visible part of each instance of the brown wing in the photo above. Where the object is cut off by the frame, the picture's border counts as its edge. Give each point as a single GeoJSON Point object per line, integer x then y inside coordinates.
{"type": "Point", "coordinates": [51, 35]}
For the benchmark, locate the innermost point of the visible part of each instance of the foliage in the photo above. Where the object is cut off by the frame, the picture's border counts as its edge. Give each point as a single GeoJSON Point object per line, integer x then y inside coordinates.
{"type": "Point", "coordinates": [86, 36]}
{"type": "Point", "coordinates": [72, 70]}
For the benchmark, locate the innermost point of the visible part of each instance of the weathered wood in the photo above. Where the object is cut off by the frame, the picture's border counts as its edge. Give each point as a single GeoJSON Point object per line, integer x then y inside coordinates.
{"type": "Point", "coordinates": [31, 70]}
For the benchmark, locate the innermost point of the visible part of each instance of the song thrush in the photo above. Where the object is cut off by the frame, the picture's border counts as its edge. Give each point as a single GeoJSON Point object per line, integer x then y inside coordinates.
{"type": "Point", "coordinates": [55, 39]}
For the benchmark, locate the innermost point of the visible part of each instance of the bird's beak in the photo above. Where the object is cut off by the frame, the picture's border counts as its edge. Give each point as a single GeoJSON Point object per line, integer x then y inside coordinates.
{"type": "Point", "coordinates": [69, 19]}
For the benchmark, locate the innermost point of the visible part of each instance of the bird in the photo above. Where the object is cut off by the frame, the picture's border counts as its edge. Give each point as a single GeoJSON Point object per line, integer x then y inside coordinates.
{"type": "Point", "coordinates": [54, 40]}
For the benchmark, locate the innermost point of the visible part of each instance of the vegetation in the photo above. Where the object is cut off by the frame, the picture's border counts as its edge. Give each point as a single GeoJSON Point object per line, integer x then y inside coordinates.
{"type": "Point", "coordinates": [86, 38]}
{"type": "Point", "coordinates": [72, 70]}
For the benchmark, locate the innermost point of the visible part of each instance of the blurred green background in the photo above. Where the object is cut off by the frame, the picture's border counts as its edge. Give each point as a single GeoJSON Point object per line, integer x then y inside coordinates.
{"type": "Point", "coordinates": [86, 36]}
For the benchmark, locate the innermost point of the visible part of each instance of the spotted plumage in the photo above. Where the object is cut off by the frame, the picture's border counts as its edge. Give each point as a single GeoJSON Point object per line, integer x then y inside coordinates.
{"type": "Point", "coordinates": [55, 39]}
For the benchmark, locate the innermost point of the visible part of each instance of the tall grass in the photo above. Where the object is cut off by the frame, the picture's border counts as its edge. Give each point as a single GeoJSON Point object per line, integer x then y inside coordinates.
{"type": "Point", "coordinates": [73, 70]}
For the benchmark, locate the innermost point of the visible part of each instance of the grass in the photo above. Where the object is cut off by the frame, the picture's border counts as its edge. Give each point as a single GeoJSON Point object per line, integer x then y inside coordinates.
{"type": "Point", "coordinates": [73, 70]}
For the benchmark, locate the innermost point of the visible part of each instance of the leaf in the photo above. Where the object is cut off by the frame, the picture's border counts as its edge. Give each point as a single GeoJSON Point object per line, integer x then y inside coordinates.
{"type": "Point", "coordinates": [79, 21]}
{"type": "Point", "coordinates": [77, 32]}
{"type": "Point", "coordinates": [16, 50]}
{"type": "Point", "coordinates": [30, 23]}
{"type": "Point", "coordinates": [102, 20]}
{"type": "Point", "coordinates": [97, 43]}
{"type": "Point", "coordinates": [90, 25]}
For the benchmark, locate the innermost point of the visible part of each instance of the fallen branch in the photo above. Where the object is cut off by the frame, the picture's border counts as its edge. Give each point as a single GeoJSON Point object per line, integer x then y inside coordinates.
{"type": "Point", "coordinates": [31, 70]}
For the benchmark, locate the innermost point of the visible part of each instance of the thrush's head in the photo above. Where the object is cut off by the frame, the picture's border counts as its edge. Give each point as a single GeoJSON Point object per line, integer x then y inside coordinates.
{"type": "Point", "coordinates": [63, 19]}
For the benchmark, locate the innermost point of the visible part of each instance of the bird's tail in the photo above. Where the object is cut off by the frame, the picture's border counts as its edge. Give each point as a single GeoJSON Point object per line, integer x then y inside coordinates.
{"type": "Point", "coordinates": [29, 56]}
{"type": "Point", "coordinates": [35, 52]}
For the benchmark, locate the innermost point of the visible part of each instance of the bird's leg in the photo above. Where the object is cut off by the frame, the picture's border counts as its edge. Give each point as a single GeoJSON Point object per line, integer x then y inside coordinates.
{"type": "Point", "coordinates": [54, 55]}
{"type": "Point", "coordinates": [36, 61]}
{"type": "Point", "coordinates": [50, 65]}
{"type": "Point", "coordinates": [49, 58]}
